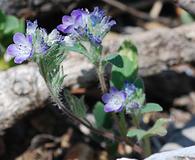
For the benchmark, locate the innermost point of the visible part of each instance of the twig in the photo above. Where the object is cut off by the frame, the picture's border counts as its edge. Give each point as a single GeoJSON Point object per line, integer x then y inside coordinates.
{"type": "Point", "coordinates": [134, 12]}
{"type": "Point", "coordinates": [156, 9]}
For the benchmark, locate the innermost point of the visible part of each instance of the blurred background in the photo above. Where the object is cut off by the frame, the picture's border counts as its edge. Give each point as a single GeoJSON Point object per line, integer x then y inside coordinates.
{"type": "Point", "coordinates": [44, 133]}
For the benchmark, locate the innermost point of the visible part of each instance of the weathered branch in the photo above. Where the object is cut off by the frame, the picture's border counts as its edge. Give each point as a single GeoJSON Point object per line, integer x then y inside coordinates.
{"type": "Point", "coordinates": [22, 89]}
{"type": "Point", "coordinates": [188, 5]}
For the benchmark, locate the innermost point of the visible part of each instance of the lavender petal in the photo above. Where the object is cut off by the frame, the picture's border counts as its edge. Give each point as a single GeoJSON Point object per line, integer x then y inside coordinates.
{"type": "Point", "coordinates": [106, 97]}
{"type": "Point", "coordinates": [12, 50]}
{"type": "Point", "coordinates": [20, 39]}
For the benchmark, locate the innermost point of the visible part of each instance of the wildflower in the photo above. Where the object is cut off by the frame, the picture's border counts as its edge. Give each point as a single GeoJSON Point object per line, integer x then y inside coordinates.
{"type": "Point", "coordinates": [83, 25]}
{"type": "Point", "coordinates": [129, 89]}
{"type": "Point", "coordinates": [43, 41]}
{"type": "Point", "coordinates": [31, 27]}
{"type": "Point", "coordinates": [71, 24]}
{"type": "Point", "coordinates": [113, 100]}
{"type": "Point", "coordinates": [54, 37]}
{"type": "Point", "coordinates": [22, 49]}
{"type": "Point", "coordinates": [98, 25]}
{"type": "Point", "coordinates": [133, 105]}
{"type": "Point", "coordinates": [35, 41]}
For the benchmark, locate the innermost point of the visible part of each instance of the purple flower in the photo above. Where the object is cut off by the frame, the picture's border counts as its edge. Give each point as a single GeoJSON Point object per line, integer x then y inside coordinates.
{"type": "Point", "coordinates": [31, 27]}
{"type": "Point", "coordinates": [98, 25]}
{"type": "Point", "coordinates": [71, 24]}
{"type": "Point", "coordinates": [83, 25]}
{"type": "Point", "coordinates": [133, 105]}
{"type": "Point", "coordinates": [22, 48]}
{"type": "Point", "coordinates": [113, 100]}
{"type": "Point", "coordinates": [54, 37]}
{"type": "Point", "coordinates": [129, 88]}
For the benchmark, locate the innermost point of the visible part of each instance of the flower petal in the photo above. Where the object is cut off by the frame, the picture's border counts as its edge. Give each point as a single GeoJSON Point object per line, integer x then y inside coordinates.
{"type": "Point", "coordinates": [106, 97]}
{"type": "Point", "coordinates": [20, 39]}
{"type": "Point", "coordinates": [122, 95]}
{"type": "Point", "coordinates": [12, 50]}
{"type": "Point", "coordinates": [113, 90]}
{"type": "Point", "coordinates": [65, 29]}
{"type": "Point", "coordinates": [108, 108]}
{"type": "Point", "coordinates": [66, 19]}
{"type": "Point", "coordinates": [20, 58]}
{"type": "Point", "coordinates": [31, 27]}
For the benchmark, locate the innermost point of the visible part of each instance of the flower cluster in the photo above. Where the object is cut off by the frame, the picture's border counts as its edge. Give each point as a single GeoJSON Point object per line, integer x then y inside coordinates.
{"type": "Point", "coordinates": [126, 98]}
{"type": "Point", "coordinates": [85, 25]}
{"type": "Point", "coordinates": [35, 41]}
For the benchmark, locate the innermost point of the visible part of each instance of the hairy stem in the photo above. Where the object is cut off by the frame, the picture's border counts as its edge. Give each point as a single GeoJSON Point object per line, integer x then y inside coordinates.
{"type": "Point", "coordinates": [74, 118]}
{"type": "Point", "coordinates": [123, 124]}
{"type": "Point", "coordinates": [146, 146]}
{"type": "Point", "coordinates": [100, 73]}
{"type": "Point", "coordinates": [145, 142]}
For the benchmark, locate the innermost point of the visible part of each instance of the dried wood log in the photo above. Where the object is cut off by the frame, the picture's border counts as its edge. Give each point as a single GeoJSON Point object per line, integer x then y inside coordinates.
{"type": "Point", "coordinates": [22, 89]}
{"type": "Point", "coordinates": [188, 5]}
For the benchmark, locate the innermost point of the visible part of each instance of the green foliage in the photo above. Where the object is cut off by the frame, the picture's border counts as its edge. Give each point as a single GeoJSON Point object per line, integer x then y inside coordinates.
{"type": "Point", "coordinates": [139, 133]}
{"type": "Point", "coordinates": [79, 48]}
{"type": "Point", "coordinates": [50, 68]}
{"type": "Point", "coordinates": [151, 107]}
{"type": "Point", "coordinates": [128, 72]}
{"type": "Point", "coordinates": [157, 129]}
{"type": "Point", "coordinates": [76, 105]}
{"type": "Point", "coordinates": [114, 59]}
{"type": "Point", "coordinates": [102, 119]}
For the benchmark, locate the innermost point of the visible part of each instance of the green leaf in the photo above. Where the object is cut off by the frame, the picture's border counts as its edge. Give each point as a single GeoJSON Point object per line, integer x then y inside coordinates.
{"type": "Point", "coordinates": [79, 48]}
{"type": "Point", "coordinates": [139, 133]}
{"type": "Point", "coordinates": [103, 119]}
{"type": "Point", "coordinates": [11, 24]}
{"type": "Point", "coordinates": [21, 27]}
{"type": "Point", "coordinates": [129, 70]}
{"type": "Point", "coordinates": [2, 20]}
{"type": "Point", "coordinates": [139, 83]}
{"type": "Point", "coordinates": [151, 107]}
{"type": "Point", "coordinates": [159, 128]}
{"type": "Point", "coordinates": [77, 105]}
{"type": "Point", "coordinates": [114, 59]}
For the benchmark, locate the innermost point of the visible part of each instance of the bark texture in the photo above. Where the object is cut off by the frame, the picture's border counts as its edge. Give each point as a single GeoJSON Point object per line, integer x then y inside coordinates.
{"type": "Point", "coordinates": [22, 89]}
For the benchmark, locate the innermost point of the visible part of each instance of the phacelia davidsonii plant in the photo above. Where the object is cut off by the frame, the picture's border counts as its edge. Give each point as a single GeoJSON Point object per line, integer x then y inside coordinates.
{"type": "Point", "coordinates": [83, 31]}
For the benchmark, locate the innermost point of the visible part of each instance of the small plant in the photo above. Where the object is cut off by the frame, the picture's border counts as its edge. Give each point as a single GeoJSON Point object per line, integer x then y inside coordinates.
{"type": "Point", "coordinates": [123, 95]}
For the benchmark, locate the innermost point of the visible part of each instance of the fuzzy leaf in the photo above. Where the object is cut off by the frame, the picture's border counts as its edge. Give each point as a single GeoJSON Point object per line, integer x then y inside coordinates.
{"type": "Point", "coordinates": [129, 70]}
{"type": "Point", "coordinates": [77, 105]}
{"type": "Point", "coordinates": [139, 133]}
{"type": "Point", "coordinates": [158, 128]}
{"type": "Point", "coordinates": [151, 107]}
{"type": "Point", "coordinates": [114, 59]}
{"type": "Point", "coordinates": [50, 68]}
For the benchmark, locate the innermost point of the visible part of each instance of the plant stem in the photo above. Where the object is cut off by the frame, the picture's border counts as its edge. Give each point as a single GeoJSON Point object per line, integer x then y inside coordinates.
{"type": "Point", "coordinates": [100, 73]}
{"type": "Point", "coordinates": [145, 142]}
{"type": "Point", "coordinates": [123, 124]}
{"type": "Point", "coordinates": [146, 146]}
{"type": "Point", "coordinates": [135, 121]}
